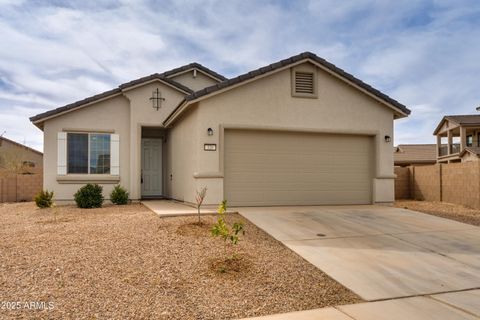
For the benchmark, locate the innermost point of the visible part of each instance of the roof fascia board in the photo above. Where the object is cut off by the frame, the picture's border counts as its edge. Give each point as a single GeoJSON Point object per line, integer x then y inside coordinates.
{"type": "Point", "coordinates": [400, 112]}
{"type": "Point", "coordinates": [180, 109]}
{"type": "Point", "coordinates": [440, 124]}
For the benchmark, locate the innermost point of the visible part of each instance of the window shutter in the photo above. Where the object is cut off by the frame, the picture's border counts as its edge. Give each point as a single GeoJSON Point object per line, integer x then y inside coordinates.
{"type": "Point", "coordinates": [62, 153]}
{"type": "Point", "coordinates": [115, 154]}
{"type": "Point", "coordinates": [304, 82]}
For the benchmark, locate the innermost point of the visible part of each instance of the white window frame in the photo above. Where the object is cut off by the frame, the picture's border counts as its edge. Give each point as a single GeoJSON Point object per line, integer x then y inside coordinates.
{"type": "Point", "coordinates": [88, 153]}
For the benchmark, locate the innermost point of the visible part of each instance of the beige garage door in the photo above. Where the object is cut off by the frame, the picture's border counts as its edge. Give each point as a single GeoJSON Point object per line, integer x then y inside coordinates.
{"type": "Point", "coordinates": [287, 168]}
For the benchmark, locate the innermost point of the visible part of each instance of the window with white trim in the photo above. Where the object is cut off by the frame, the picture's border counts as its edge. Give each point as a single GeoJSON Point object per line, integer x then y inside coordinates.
{"type": "Point", "coordinates": [88, 153]}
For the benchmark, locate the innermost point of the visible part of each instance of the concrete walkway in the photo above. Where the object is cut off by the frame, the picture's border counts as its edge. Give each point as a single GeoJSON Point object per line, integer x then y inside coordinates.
{"type": "Point", "coordinates": [379, 252]}
{"type": "Point", "coordinates": [171, 208]}
{"type": "Point", "coordinates": [452, 306]}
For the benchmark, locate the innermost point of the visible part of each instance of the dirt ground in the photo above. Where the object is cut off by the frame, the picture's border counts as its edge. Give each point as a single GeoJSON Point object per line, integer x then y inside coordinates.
{"type": "Point", "coordinates": [443, 209]}
{"type": "Point", "coordinates": [122, 262]}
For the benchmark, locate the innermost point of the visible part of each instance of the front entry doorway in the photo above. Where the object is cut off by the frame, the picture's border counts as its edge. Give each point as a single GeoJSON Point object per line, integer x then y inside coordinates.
{"type": "Point", "coordinates": [152, 172]}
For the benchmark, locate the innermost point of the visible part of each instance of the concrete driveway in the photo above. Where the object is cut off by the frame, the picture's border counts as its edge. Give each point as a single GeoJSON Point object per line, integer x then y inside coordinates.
{"type": "Point", "coordinates": [378, 252]}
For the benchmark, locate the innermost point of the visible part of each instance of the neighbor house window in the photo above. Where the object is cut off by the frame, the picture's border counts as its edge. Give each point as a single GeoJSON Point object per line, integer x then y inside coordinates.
{"type": "Point", "coordinates": [29, 164]}
{"type": "Point", "coordinates": [469, 140]}
{"type": "Point", "coordinates": [88, 153]}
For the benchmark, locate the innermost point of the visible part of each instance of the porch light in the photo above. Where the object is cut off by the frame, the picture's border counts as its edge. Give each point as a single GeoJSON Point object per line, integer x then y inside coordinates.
{"type": "Point", "coordinates": [210, 131]}
{"type": "Point", "coordinates": [156, 99]}
{"type": "Point", "coordinates": [388, 139]}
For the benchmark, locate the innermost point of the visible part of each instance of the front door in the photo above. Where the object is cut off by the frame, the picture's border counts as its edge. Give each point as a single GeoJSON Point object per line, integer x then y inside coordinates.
{"type": "Point", "coordinates": [152, 178]}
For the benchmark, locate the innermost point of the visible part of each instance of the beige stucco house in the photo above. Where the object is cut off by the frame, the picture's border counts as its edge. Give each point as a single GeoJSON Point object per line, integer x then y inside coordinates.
{"type": "Point", "coordinates": [405, 155]}
{"type": "Point", "coordinates": [458, 138]}
{"type": "Point", "coordinates": [18, 157]}
{"type": "Point", "coordinates": [297, 132]}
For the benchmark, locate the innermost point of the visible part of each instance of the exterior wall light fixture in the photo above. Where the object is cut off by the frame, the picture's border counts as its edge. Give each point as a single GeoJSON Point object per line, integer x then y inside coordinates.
{"type": "Point", "coordinates": [210, 131]}
{"type": "Point", "coordinates": [388, 138]}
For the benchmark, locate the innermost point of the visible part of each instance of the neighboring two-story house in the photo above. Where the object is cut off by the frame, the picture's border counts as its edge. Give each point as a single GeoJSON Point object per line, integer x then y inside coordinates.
{"type": "Point", "coordinates": [458, 138]}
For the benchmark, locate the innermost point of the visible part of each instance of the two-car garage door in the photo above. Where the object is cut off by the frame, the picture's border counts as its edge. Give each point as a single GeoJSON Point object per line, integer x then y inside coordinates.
{"type": "Point", "coordinates": [293, 168]}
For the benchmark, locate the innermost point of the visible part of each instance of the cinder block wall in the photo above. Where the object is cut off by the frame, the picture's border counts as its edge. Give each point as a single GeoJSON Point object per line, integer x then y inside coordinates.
{"type": "Point", "coordinates": [426, 183]}
{"type": "Point", "coordinates": [402, 183]}
{"type": "Point", "coordinates": [461, 183]}
{"type": "Point", "coordinates": [455, 183]}
{"type": "Point", "coordinates": [20, 187]}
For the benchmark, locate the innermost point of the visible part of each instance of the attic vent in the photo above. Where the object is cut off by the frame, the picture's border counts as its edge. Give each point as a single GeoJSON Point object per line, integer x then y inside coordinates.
{"type": "Point", "coordinates": [304, 83]}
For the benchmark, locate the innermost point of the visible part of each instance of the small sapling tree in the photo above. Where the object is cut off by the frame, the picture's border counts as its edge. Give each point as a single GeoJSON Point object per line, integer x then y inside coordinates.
{"type": "Point", "coordinates": [199, 199]}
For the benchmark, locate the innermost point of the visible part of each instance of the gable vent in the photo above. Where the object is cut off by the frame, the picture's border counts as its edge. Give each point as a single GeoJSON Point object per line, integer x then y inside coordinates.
{"type": "Point", "coordinates": [304, 83]}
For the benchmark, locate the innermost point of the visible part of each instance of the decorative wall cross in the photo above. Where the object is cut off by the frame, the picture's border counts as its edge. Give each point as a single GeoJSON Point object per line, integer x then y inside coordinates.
{"type": "Point", "coordinates": [157, 99]}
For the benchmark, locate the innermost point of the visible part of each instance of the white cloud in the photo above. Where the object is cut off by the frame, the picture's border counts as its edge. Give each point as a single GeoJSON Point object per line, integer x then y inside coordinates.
{"type": "Point", "coordinates": [423, 53]}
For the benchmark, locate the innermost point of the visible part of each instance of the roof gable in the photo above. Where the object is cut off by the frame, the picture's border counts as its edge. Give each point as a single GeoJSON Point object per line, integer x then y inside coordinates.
{"type": "Point", "coordinates": [17, 144]}
{"type": "Point", "coordinates": [472, 150]}
{"type": "Point", "coordinates": [162, 77]}
{"type": "Point", "coordinates": [461, 120]}
{"type": "Point", "coordinates": [194, 65]}
{"type": "Point", "coordinates": [281, 65]}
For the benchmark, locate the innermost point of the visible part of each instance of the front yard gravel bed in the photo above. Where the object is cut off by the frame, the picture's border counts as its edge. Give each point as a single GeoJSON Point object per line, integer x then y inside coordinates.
{"type": "Point", "coordinates": [443, 209]}
{"type": "Point", "coordinates": [121, 262]}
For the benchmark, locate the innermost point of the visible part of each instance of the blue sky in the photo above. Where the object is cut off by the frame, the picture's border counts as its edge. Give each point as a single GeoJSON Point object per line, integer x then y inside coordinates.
{"type": "Point", "coordinates": [426, 54]}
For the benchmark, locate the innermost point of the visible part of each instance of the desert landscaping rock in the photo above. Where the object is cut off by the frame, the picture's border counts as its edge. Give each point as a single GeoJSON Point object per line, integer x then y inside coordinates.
{"type": "Point", "coordinates": [122, 262]}
{"type": "Point", "coordinates": [443, 209]}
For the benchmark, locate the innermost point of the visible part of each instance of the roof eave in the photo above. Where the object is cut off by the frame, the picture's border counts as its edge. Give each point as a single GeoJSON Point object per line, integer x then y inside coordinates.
{"type": "Point", "coordinates": [439, 126]}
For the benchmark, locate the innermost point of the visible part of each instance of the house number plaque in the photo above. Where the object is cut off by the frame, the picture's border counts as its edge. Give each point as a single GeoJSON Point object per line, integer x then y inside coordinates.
{"type": "Point", "coordinates": [210, 147]}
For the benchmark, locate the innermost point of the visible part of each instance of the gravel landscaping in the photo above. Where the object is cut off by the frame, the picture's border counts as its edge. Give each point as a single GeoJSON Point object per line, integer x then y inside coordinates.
{"type": "Point", "coordinates": [122, 262]}
{"type": "Point", "coordinates": [443, 209]}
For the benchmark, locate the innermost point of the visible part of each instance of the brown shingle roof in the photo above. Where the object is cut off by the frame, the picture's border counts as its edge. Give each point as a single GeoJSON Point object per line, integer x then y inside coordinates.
{"type": "Point", "coordinates": [415, 153]}
{"type": "Point", "coordinates": [468, 119]}
{"type": "Point", "coordinates": [473, 150]}
{"type": "Point", "coordinates": [160, 76]}
{"type": "Point", "coordinates": [463, 120]}
{"type": "Point", "coordinates": [291, 60]}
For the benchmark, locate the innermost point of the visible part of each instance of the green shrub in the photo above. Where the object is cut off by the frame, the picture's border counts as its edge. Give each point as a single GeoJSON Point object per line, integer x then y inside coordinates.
{"type": "Point", "coordinates": [44, 199]}
{"type": "Point", "coordinates": [119, 195]}
{"type": "Point", "coordinates": [89, 196]}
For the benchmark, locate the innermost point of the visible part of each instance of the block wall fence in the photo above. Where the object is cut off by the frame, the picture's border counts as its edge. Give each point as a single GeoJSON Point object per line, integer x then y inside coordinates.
{"type": "Point", "coordinates": [454, 182]}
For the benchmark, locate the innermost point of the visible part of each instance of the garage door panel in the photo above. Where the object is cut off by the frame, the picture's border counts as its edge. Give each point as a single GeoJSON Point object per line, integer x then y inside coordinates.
{"type": "Point", "coordinates": [285, 168]}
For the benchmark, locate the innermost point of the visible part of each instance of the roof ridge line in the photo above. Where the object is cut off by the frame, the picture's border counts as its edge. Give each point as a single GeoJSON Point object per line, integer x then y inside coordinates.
{"type": "Point", "coordinates": [285, 62]}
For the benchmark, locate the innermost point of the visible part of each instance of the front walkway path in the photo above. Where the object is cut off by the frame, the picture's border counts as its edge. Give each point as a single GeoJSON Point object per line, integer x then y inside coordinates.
{"type": "Point", "coordinates": [171, 208]}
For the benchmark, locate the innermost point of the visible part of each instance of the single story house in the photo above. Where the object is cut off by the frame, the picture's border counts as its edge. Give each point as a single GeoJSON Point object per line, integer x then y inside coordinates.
{"type": "Point", "coordinates": [414, 154]}
{"type": "Point", "coordinates": [18, 157]}
{"type": "Point", "coordinates": [300, 131]}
